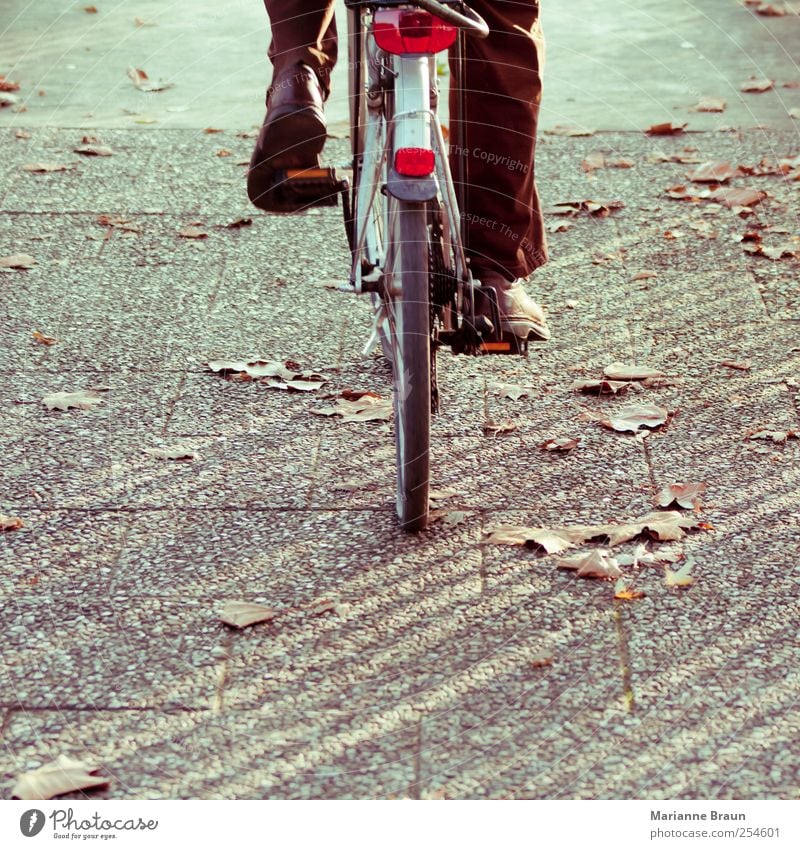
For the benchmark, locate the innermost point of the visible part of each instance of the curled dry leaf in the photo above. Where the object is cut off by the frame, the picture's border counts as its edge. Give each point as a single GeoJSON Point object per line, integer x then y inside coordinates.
{"type": "Point", "coordinates": [560, 443]}
{"type": "Point", "coordinates": [8, 85]}
{"type": "Point", "coordinates": [620, 371]}
{"type": "Point", "coordinates": [779, 436]}
{"type": "Point", "coordinates": [713, 172]}
{"type": "Point", "coordinates": [710, 104]}
{"type": "Point", "coordinates": [745, 365]}
{"type": "Point", "coordinates": [94, 150]}
{"type": "Point", "coordinates": [510, 390]}
{"type": "Point", "coordinates": [10, 523]}
{"type": "Point", "coordinates": [541, 660]}
{"type": "Point", "coordinates": [596, 208]}
{"type": "Point", "coordinates": [568, 130]}
{"type": "Point", "coordinates": [239, 223]}
{"type": "Point", "coordinates": [368, 407]}
{"type": "Point", "coordinates": [757, 85]}
{"type": "Point", "coordinates": [191, 231]}
{"type": "Point", "coordinates": [687, 495]}
{"type": "Point", "coordinates": [642, 556]}
{"type": "Point", "coordinates": [594, 564]}
{"type": "Point", "coordinates": [499, 428]}
{"type": "Point", "coordinates": [602, 387]}
{"type": "Point", "coordinates": [143, 82]}
{"type": "Point", "coordinates": [681, 578]}
{"type": "Point", "coordinates": [18, 261]}
{"type": "Point", "coordinates": [736, 197]}
{"type": "Point", "coordinates": [63, 775]}
{"type": "Point", "coordinates": [666, 526]}
{"type": "Point", "coordinates": [597, 159]}
{"type": "Point", "coordinates": [118, 222]}
{"type": "Point", "coordinates": [39, 337]}
{"type": "Point", "coordinates": [624, 590]}
{"type": "Point", "coordinates": [174, 452]}
{"type": "Point", "coordinates": [7, 99]}
{"type": "Point", "coordinates": [665, 129]}
{"type": "Point", "coordinates": [552, 541]}
{"type": "Point", "coordinates": [442, 494]}
{"type": "Point", "coordinates": [631, 418]}
{"type": "Point", "coordinates": [81, 400]}
{"type": "Point", "coordinates": [644, 275]}
{"type": "Point", "coordinates": [448, 518]}
{"type": "Point", "coordinates": [47, 167]}
{"type": "Point", "coordinates": [240, 614]}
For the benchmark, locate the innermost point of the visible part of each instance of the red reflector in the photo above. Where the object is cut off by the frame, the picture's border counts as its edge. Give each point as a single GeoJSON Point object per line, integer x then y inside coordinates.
{"type": "Point", "coordinates": [411, 31]}
{"type": "Point", "coordinates": [414, 161]}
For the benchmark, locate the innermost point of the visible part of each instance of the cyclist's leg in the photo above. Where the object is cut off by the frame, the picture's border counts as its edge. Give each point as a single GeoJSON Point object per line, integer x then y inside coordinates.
{"type": "Point", "coordinates": [303, 31]}
{"type": "Point", "coordinates": [503, 86]}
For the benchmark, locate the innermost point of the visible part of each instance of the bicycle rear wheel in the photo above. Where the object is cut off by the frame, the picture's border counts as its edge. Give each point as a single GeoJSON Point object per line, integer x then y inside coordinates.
{"type": "Point", "coordinates": [409, 308]}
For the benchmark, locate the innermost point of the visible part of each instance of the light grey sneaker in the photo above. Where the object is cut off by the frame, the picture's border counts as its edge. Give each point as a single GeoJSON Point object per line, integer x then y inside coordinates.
{"type": "Point", "coordinates": [519, 313]}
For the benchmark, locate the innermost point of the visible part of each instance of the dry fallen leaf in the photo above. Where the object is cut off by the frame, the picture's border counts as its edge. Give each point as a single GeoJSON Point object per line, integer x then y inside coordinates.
{"type": "Point", "coordinates": [620, 371]}
{"type": "Point", "coordinates": [143, 82]}
{"type": "Point", "coordinates": [667, 526]}
{"type": "Point", "coordinates": [368, 407]}
{"type": "Point", "coordinates": [552, 541]}
{"type": "Point", "coordinates": [665, 129]}
{"type": "Point", "coordinates": [174, 452]}
{"type": "Point", "coordinates": [598, 209]}
{"type": "Point", "coordinates": [710, 104]}
{"type": "Point", "coordinates": [448, 518]}
{"type": "Point", "coordinates": [238, 223]}
{"type": "Point", "coordinates": [560, 443]}
{"type": "Point", "coordinates": [568, 130]}
{"type": "Point", "coordinates": [10, 523]}
{"type": "Point", "coordinates": [240, 614]}
{"type": "Point", "coordinates": [81, 400]}
{"type": "Point", "coordinates": [630, 418]}
{"type": "Point", "coordinates": [493, 428]}
{"type": "Point", "coordinates": [713, 172]}
{"type": "Point", "coordinates": [745, 365]}
{"type": "Point", "coordinates": [63, 775]}
{"type": "Point", "coordinates": [594, 564]}
{"type": "Point", "coordinates": [779, 436]}
{"type": "Point", "coordinates": [757, 84]}
{"type": "Point", "coordinates": [510, 390]}
{"type": "Point", "coordinates": [597, 159]}
{"type": "Point", "coordinates": [47, 167]}
{"type": "Point", "coordinates": [8, 85]}
{"type": "Point", "coordinates": [602, 387]}
{"type": "Point", "coordinates": [193, 232]}
{"type": "Point", "coordinates": [736, 197]}
{"type": "Point", "coordinates": [94, 150]}
{"type": "Point", "coordinates": [40, 337]}
{"type": "Point", "coordinates": [686, 495]}
{"type": "Point", "coordinates": [624, 590]}
{"type": "Point", "coordinates": [644, 275]}
{"type": "Point", "coordinates": [681, 578]}
{"type": "Point", "coordinates": [18, 261]}
{"type": "Point", "coordinates": [541, 661]}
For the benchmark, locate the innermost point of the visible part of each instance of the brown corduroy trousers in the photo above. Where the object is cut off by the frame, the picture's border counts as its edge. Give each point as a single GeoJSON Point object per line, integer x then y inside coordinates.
{"type": "Point", "coordinates": [503, 87]}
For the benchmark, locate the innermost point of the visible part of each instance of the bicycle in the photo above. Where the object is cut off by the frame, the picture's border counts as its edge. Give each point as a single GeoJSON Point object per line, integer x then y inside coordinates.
{"type": "Point", "coordinates": [402, 218]}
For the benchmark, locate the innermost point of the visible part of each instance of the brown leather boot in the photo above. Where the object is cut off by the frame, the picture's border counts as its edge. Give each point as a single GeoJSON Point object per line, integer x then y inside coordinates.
{"type": "Point", "coordinates": [294, 129]}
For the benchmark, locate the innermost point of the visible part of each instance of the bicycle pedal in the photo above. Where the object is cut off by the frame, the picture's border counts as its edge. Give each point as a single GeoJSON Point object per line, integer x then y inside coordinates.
{"type": "Point", "coordinates": [505, 344]}
{"type": "Point", "coordinates": [297, 189]}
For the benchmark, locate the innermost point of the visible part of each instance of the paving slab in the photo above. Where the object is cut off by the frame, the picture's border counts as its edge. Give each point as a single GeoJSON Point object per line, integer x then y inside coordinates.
{"type": "Point", "coordinates": [242, 755]}
{"type": "Point", "coordinates": [109, 652]}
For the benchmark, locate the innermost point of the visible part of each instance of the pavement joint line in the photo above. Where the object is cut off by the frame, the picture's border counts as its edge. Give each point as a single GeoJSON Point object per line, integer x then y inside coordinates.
{"type": "Point", "coordinates": [415, 788]}
{"type": "Point", "coordinates": [8, 715]}
{"type": "Point", "coordinates": [625, 662]}
{"type": "Point", "coordinates": [172, 402]}
{"type": "Point", "coordinates": [309, 499]}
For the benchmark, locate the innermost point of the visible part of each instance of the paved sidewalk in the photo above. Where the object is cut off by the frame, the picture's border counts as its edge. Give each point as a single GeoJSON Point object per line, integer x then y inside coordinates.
{"type": "Point", "coordinates": [442, 667]}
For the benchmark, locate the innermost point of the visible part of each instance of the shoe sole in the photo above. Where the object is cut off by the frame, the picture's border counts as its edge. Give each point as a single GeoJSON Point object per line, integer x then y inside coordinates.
{"type": "Point", "coordinates": [526, 329]}
{"type": "Point", "coordinates": [279, 148]}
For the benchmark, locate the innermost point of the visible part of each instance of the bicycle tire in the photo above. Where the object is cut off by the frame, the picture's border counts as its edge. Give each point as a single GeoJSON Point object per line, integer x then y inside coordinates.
{"type": "Point", "coordinates": [412, 360]}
